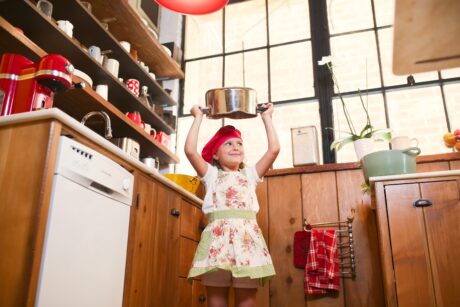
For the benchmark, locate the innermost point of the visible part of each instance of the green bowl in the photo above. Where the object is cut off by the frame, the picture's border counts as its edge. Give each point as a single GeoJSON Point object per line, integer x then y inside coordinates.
{"type": "Point", "coordinates": [390, 162]}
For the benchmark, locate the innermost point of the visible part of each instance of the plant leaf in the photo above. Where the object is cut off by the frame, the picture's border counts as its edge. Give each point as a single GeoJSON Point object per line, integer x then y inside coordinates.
{"type": "Point", "coordinates": [338, 144]}
{"type": "Point", "coordinates": [382, 134]}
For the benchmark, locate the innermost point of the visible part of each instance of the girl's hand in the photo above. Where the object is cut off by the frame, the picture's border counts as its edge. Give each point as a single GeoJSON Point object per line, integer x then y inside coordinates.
{"type": "Point", "coordinates": [196, 111]}
{"type": "Point", "coordinates": [267, 113]}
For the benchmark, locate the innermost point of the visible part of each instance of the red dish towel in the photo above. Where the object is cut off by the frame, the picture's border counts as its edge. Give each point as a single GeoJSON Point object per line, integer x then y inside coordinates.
{"type": "Point", "coordinates": [301, 244]}
{"type": "Point", "coordinates": [322, 269]}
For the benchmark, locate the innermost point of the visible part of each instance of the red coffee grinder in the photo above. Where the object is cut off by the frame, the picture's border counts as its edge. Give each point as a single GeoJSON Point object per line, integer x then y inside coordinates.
{"type": "Point", "coordinates": [29, 86]}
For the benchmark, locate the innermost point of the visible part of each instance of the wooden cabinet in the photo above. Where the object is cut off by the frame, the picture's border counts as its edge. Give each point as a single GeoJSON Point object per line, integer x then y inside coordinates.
{"type": "Point", "coordinates": [41, 36]}
{"type": "Point", "coordinates": [418, 222]}
{"type": "Point", "coordinates": [164, 232]}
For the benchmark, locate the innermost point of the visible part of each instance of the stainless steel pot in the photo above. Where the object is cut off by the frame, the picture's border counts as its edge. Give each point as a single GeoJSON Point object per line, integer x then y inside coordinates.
{"type": "Point", "coordinates": [232, 102]}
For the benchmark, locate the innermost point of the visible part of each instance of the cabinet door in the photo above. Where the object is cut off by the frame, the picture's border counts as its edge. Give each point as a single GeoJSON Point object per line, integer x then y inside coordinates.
{"type": "Point", "coordinates": [142, 223]}
{"type": "Point", "coordinates": [199, 298]}
{"type": "Point", "coordinates": [443, 233]}
{"type": "Point", "coordinates": [411, 263]}
{"type": "Point", "coordinates": [163, 279]}
{"type": "Point", "coordinates": [424, 243]}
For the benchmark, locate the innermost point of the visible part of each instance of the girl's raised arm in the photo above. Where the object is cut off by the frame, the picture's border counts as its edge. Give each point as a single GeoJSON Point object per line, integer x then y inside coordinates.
{"type": "Point", "coordinates": [198, 163]}
{"type": "Point", "coordinates": [263, 165]}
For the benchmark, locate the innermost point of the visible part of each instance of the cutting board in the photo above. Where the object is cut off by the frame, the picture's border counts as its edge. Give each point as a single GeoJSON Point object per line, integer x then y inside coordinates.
{"type": "Point", "coordinates": [426, 35]}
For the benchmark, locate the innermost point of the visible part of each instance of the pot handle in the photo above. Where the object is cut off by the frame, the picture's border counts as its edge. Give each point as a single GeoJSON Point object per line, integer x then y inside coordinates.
{"type": "Point", "coordinates": [205, 110]}
{"type": "Point", "coordinates": [412, 151]}
{"type": "Point", "coordinates": [260, 107]}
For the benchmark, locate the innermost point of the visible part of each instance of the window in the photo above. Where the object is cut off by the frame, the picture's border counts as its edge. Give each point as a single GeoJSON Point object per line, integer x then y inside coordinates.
{"type": "Point", "coordinates": [267, 45]}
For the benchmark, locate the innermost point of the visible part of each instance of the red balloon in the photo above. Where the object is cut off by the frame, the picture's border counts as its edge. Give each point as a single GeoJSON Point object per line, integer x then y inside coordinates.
{"type": "Point", "coordinates": [193, 7]}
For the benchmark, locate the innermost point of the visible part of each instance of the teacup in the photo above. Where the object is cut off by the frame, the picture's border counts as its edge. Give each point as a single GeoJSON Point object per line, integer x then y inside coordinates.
{"type": "Point", "coordinates": [135, 117]}
{"type": "Point", "coordinates": [403, 142]}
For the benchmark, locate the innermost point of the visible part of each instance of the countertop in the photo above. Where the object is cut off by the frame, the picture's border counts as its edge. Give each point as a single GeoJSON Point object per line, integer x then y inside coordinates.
{"type": "Point", "coordinates": [414, 176]}
{"type": "Point", "coordinates": [65, 119]}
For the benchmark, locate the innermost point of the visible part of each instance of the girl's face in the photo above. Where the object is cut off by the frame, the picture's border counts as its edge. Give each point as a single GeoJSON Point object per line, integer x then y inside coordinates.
{"type": "Point", "coordinates": [230, 154]}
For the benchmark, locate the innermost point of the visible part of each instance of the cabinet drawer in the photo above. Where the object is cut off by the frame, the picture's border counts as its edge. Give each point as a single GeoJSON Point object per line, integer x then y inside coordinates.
{"type": "Point", "coordinates": [191, 217]}
{"type": "Point", "coordinates": [186, 252]}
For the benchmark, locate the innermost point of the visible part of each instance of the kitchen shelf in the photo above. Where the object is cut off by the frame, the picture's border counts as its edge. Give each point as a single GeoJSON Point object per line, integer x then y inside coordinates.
{"type": "Point", "coordinates": [129, 27]}
{"type": "Point", "coordinates": [89, 31]}
{"type": "Point", "coordinates": [78, 102]}
{"type": "Point", "coordinates": [50, 37]}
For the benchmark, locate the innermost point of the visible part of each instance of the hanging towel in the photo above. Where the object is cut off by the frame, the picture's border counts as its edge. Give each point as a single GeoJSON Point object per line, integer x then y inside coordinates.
{"type": "Point", "coordinates": [301, 245]}
{"type": "Point", "coordinates": [322, 269]}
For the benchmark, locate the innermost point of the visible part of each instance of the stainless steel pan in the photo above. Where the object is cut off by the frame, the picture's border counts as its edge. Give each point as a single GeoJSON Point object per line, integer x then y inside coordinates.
{"type": "Point", "coordinates": [232, 102]}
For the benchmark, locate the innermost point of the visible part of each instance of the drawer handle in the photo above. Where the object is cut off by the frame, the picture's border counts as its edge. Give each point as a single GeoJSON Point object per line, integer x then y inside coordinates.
{"type": "Point", "coordinates": [175, 212]}
{"type": "Point", "coordinates": [202, 298]}
{"type": "Point", "coordinates": [422, 203]}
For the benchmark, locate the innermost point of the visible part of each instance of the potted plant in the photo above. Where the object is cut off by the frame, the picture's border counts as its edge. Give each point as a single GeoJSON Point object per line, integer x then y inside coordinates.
{"type": "Point", "coordinates": [362, 139]}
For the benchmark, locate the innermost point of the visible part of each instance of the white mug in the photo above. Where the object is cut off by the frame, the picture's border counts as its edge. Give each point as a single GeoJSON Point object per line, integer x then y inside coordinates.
{"type": "Point", "coordinates": [126, 45]}
{"type": "Point", "coordinates": [149, 130]}
{"type": "Point", "coordinates": [95, 53]}
{"type": "Point", "coordinates": [103, 90]}
{"type": "Point", "coordinates": [152, 162]}
{"type": "Point", "coordinates": [112, 66]}
{"type": "Point", "coordinates": [403, 142]}
{"type": "Point", "coordinates": [66, 26]}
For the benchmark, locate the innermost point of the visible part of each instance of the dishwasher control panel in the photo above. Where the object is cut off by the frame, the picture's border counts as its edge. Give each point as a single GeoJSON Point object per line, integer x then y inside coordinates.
{"type": "Point", "coordinates": [93, 170]}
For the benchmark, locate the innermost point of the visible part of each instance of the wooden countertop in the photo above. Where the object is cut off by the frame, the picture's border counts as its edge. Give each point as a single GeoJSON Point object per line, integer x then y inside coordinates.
{"type": "Point", "coordinates": [56, 114]}
{"type": "Point", "coordinates": [354, 165]}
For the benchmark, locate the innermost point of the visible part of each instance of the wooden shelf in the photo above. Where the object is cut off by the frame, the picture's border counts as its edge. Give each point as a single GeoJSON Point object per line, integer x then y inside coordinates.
{"type": "Point", "coordinates": [89, 31]}
{"type": "Point", "coordinates": [46, 34]}
{"type": "Point", "coordinates": [129, 27]}
{"type": "Point", "coordinates": [78, 102]}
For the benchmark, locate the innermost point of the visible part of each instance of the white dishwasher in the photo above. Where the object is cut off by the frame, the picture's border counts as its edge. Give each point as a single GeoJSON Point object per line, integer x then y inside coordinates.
{"type": "Point", "coordinates": [84, 253]}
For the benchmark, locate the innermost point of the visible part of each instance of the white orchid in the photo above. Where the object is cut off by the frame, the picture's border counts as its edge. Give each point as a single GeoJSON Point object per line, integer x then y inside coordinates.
{"type": "Point", "coordinates": [325, 60]}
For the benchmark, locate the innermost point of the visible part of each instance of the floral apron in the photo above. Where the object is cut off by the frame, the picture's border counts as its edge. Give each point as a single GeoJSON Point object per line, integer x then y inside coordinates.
{"type": "Point", "coordinates": [232, 240]}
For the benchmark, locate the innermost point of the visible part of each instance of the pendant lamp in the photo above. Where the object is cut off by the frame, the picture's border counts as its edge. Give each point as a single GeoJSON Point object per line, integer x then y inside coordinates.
{"type": "Point", "coordinates": [193, 7]}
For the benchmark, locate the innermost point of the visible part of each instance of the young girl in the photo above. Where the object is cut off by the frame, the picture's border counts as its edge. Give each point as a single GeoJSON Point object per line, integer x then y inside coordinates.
{"type": "Point", "coordinates": [232, 251]}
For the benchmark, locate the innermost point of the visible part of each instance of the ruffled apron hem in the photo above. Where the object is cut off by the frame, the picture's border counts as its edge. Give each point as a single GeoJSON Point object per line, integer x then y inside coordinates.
{"type": "Point", "coordinates": [264, 273]}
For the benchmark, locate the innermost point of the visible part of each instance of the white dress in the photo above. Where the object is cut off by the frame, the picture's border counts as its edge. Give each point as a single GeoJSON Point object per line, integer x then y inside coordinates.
{"type": "Point", "coordinates": [232, 240]}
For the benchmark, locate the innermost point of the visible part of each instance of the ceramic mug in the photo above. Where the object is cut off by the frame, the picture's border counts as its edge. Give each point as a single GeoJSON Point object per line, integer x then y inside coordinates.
{"type": "Point", "coordinates": [135, 117]}
{"type": "Point", "coordinates": [112, 66]}
{"type": "Point", "coordinates": [66, 26]}
{"type": "Point", "coordinates": [148, 129]}
{"type": "Point", "coordinates": [403, 142]}
{"type": "Point", "coordinates": [45, 7]}
{"type": "Point", "coordinates": [95, 53]}
{"type": "Point", "coordinates": [152, 162]}
{"type": "Point", "coordinates": [126, 45]}
{"type": "Point", "coordinates": [133, 86]}
{"type": "Point", "coordinates": [103, 90]}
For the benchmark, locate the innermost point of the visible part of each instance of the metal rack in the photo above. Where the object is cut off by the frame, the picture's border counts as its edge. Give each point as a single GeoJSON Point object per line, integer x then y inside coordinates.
{"type": "Point", "coordinates": [346, 248]}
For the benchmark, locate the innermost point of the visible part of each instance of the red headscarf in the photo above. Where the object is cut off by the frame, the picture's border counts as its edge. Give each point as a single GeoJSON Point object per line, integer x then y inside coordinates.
{"type": "Point", "coordinates": [223, 134]}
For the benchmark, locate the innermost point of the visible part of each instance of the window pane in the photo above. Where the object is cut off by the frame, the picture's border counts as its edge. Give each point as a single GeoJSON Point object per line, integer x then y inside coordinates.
{"type": "Point", "coordinates": [291, 72]}
{"type": "Point", "coordinates": [419, 113]}
{"type": "Point", "coordinates": [245, 22]}
{"type": "Point", "coordinates": [289, 20]}
{"type": "Point", "coordinates": [208, 128]}
{"type": "Point", "coordinates": [349, 15]}
{"type": "Point", "coordinates": [358, 118]}
{"type": "Point", "coordinates": [203, 35]}
{"type": "Point", "coordinates": [450, 73]}
{"type": "Point", "coordinates": [255, 72]}
{"type": "Point", "coordinates": [386, 51]}
{"type": "Point", "coordinates": [201, 76]}
{"type": "Point", "coordinates": [352, 55]}
{"type": "Point", "coordinates": [285, 117]}
{"type": "Point", "coordinates": [385, 12]}
{"type": "Point", "coordinates": [452, 94]}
